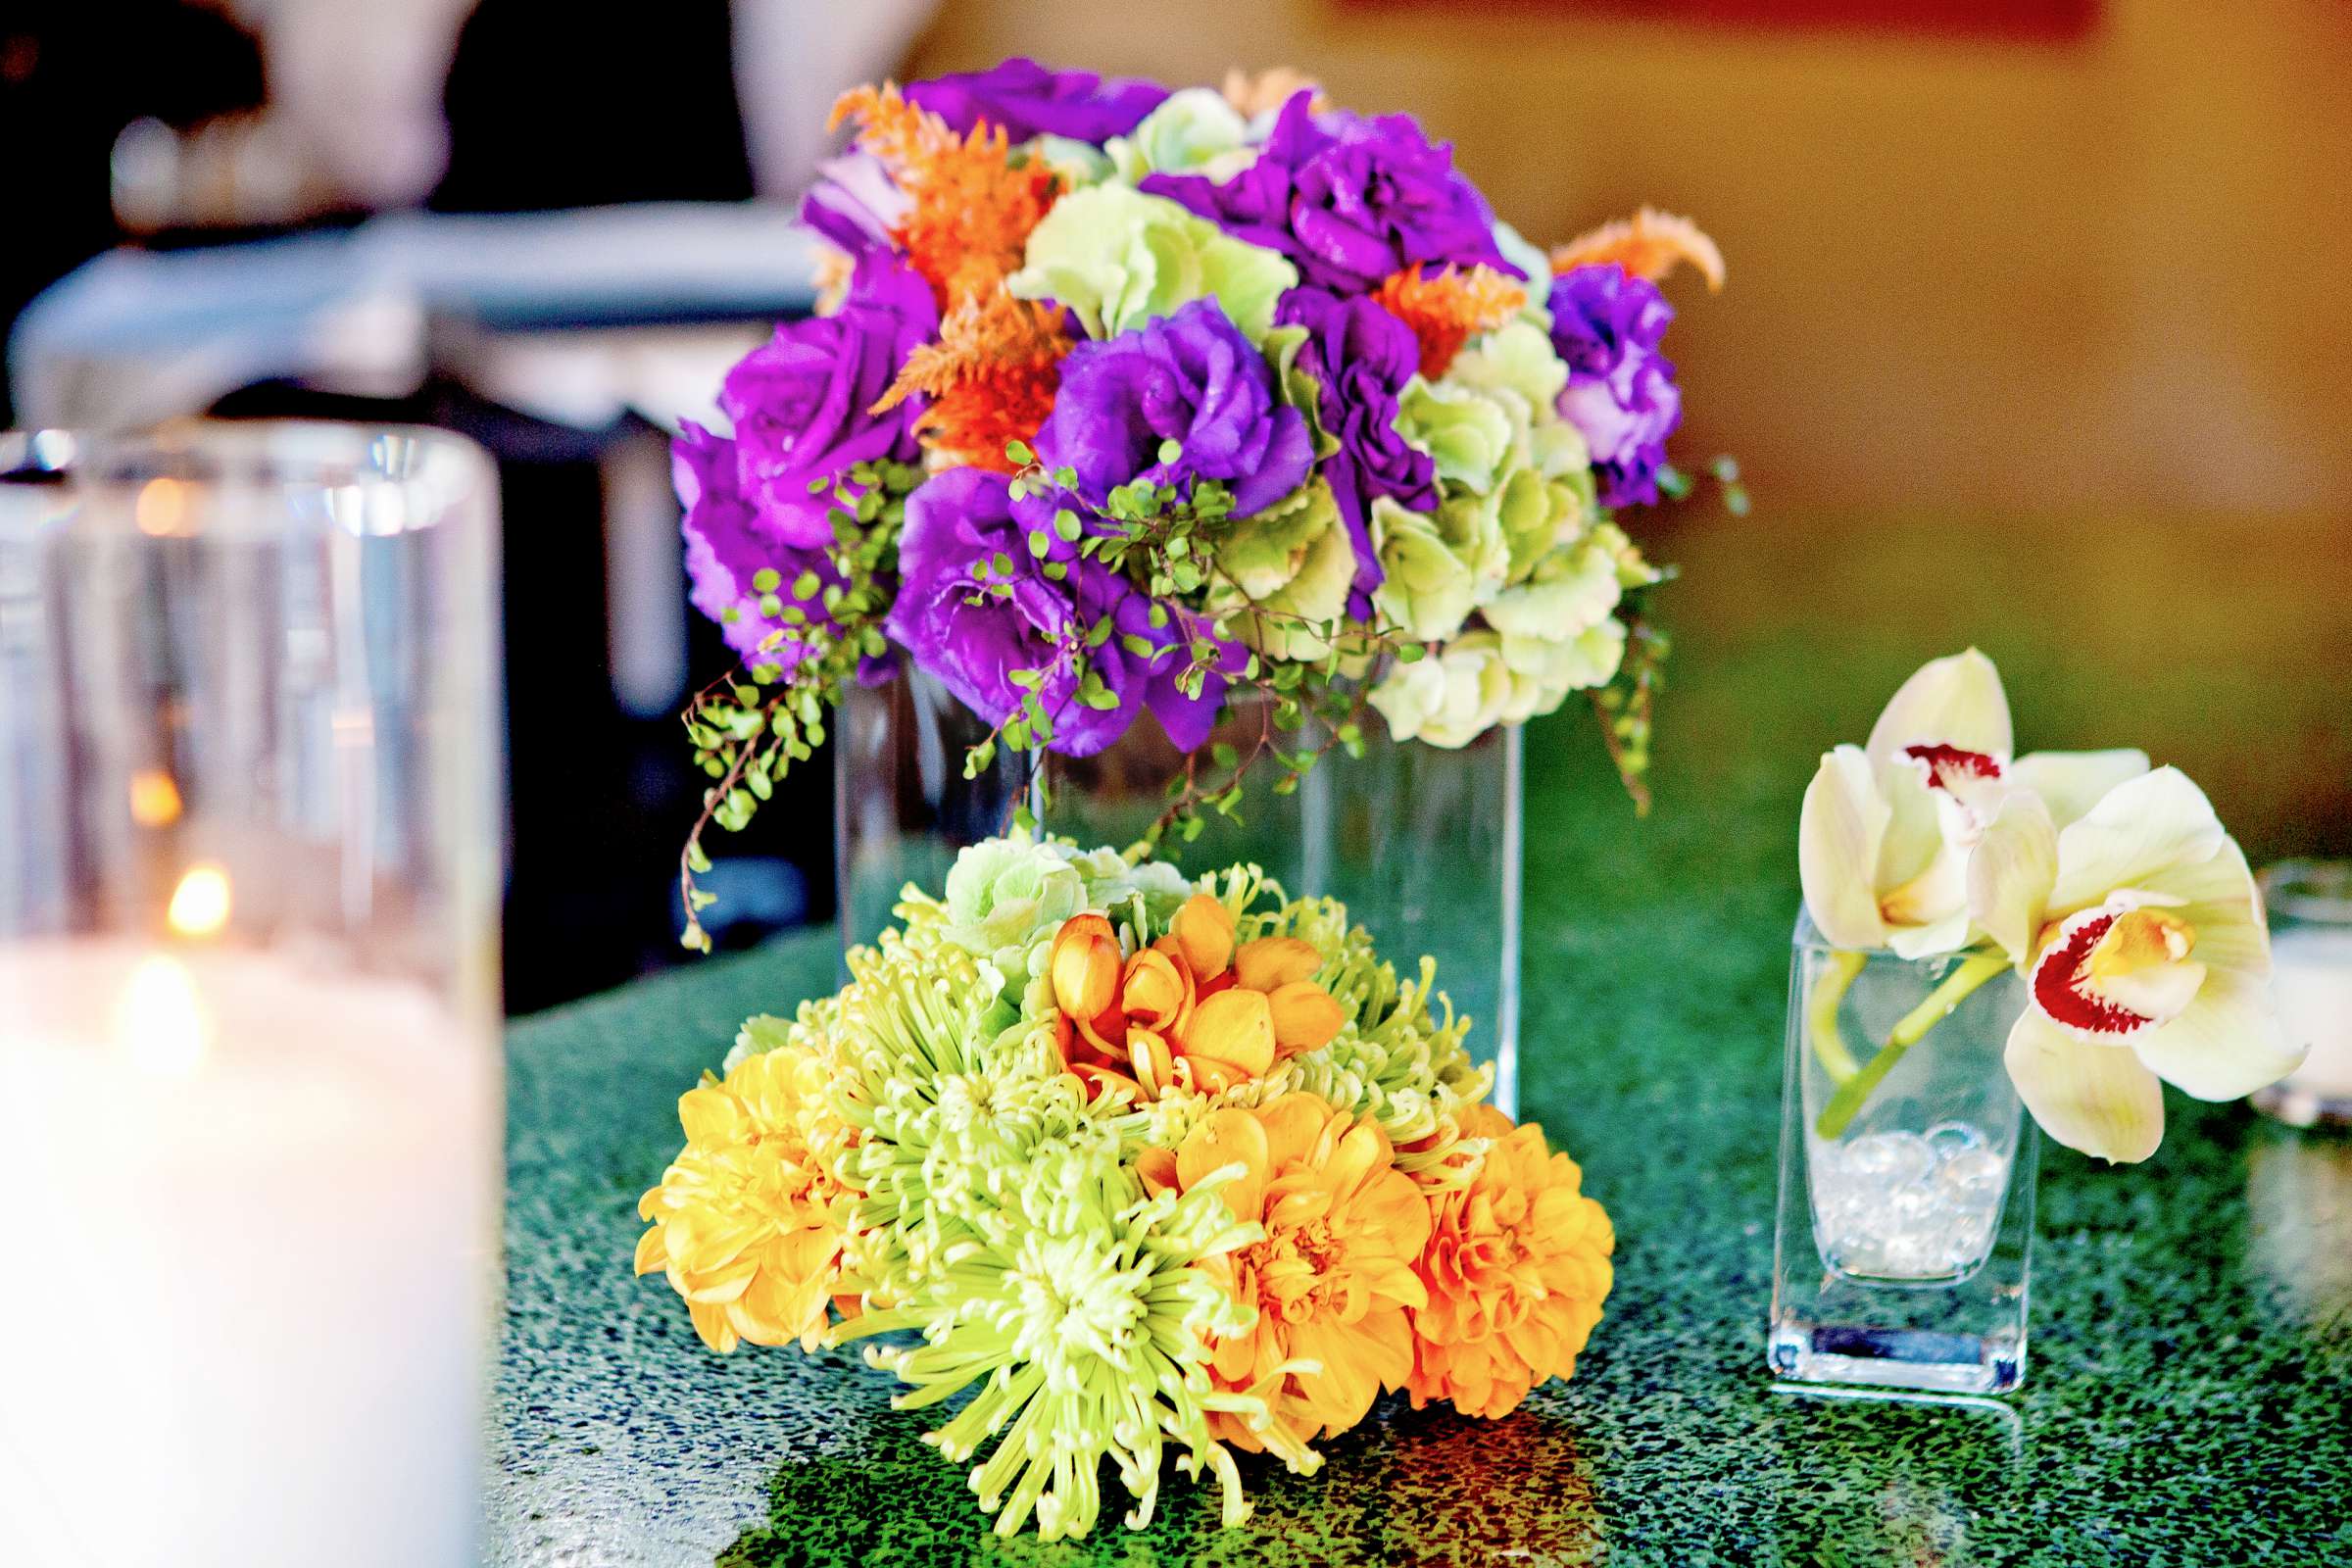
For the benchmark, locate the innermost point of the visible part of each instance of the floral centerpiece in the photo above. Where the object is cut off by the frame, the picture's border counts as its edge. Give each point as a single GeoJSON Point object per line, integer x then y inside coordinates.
{"type": "Point", "coordinates": [1136, 1165]}
{"type": "Point", "coordinates": [1126, 400]}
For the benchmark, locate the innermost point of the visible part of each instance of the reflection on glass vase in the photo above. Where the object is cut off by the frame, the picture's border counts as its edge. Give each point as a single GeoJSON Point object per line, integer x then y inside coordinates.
{"type": "Point", "coordinates": [1905, 1237]}
{"type": "Point", "coordinates": [1421, 844]}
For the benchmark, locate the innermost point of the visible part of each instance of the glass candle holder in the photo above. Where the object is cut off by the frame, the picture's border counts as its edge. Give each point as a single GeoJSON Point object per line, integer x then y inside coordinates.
{"type": "Point", "coordinates": [1904, 1244]}
{"type": "Point", "coordinates": [250, 829]}
{"type": "Point", "coordinates": [2310, 905]}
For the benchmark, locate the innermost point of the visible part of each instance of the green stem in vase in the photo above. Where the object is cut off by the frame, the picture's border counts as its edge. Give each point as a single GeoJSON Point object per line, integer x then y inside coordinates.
{"type": "Point", "coordinates": [1856, 1092]}
{"type": "Point", "coordinates": [1821, 1014]}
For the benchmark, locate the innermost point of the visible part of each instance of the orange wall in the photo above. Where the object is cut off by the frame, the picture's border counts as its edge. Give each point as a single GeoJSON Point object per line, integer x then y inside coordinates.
{"type": "Point", "coordinates": [2104, 272]}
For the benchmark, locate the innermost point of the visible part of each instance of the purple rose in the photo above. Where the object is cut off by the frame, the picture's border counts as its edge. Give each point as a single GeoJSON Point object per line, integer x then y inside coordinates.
{"type": "Point", "coordinates": [854, 203]}
{"type": "Point", "coordinates": [960, 530]}
{"type": "Point", "coordinates": [1361, 357]}
{"type": "Point", "coordinates": [1350, 200]}
{"type": "Point", "coordinates": [1621, 394]}
{"type": "Point", "coordinates": [728, 544]}
{"type": "Point", "coordinates": [1028, 99]}
{"type": "Point", "coordinates": [1191, 378]}
{"type": "Point", "coordinates": [802, 401]}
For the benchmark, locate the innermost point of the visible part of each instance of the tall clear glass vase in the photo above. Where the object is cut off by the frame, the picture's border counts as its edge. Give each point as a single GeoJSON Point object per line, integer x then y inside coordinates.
{"type": "Point", "coordinates": [1422, 843]}
{"type": "Point", "coordinates": [1904, 1248]}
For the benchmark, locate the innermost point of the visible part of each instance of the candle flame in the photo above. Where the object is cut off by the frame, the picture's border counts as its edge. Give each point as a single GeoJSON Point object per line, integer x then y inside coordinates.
{"type": "Point", "coordinates": [200, 904]}
{"type": "Point", "coordinates": [161, 509]}
{"type": "Point", "coordinates": [161, 1022]}
{"type": "Point", "coordinates": [153, 798]}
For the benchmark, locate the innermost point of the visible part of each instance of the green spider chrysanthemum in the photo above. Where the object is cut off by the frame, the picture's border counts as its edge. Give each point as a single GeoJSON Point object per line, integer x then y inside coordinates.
{"type": "Point", "coordinates": [1085, 1326]}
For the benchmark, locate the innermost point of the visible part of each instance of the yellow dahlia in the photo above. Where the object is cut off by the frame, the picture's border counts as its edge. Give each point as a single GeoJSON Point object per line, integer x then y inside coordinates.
{"type": "Point", "coordinates": [747, 1222]}
{"type": "Point", "coordinates": [1331, 1278]}
{"type": "Point", "coordinates": [1516, 1269]}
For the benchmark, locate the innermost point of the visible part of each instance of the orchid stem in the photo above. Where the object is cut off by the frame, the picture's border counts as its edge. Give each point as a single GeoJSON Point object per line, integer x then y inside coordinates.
{"type": "Point", "coordinates": [1821, 1014]}
{"type": "Point", "coordinates": [1856, 1092]}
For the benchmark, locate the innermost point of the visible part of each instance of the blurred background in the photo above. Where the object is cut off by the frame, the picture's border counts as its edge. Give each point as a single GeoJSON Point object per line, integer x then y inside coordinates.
{"type": "Point", "coordinates": [2033, 338]}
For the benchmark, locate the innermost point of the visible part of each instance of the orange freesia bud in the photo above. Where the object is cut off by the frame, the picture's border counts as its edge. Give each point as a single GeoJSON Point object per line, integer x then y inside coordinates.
{"type": "Point", "coordinates": [1271, 963]}
{"type": "Point", "coordinates": [1235, 1028]}
{"type": "Point", "coordinates": [1085, 967]}
{"type": "Point", "coordinates": [1154, 1063]}
{"type": "Point", "coordinates": [1157, 992]}
{"type": "Point", "coordinates": [1306, 1017]}
{"type": "Point", "coordinates": [1203, 934]}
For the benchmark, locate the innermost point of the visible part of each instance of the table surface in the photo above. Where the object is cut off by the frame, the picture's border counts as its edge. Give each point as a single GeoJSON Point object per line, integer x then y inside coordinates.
{"type": "Point", "coordinates": [2189, 1395]}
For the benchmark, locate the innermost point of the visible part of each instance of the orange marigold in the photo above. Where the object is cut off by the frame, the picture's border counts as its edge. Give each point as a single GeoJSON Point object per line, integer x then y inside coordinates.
{"type": "Point", "coordinates": [746, 1221]}
{"type": "Point", "coordinates": [990, 377]}
{"type": "Point", "coordinates": [972, 208]}
{"type": "Point", "coordinates": [1331, 1278]}
{"type": "Point", "coordinates": [1650, 244]}
{"type": "Point", "coordinates": [1193, 1010]}
{"type": "Point", "coordinates": [1516, 1269]}
{"type": "Point", "coordinates": [1446, 308]}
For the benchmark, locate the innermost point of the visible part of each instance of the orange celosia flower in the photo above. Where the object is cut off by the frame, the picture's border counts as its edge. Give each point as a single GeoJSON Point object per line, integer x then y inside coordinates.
{"type": "Point", "coordinates": [990, 378]}
{"type": "Point", "coordinates": [1255, 93]}
{"type": "Point", "coordinates": [971, 208]}
{"type": "Point", "coordinates": [1516, 1269]}
{"type": "Point", "coordinates": [1443, 309]}
{"type": "Point", "coordinates": [1193, 1010]}
{"type": "Point", "coordinates": [1331, 1280]}
{"type": "Point", "coordinates": [746, 1222]}
{"type": "Point", "coordinates": [1650, 244]}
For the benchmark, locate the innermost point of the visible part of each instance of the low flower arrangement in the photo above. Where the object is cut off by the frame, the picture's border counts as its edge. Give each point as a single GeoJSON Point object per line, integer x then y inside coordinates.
{"type": "Point", "coordinates": [1137, 1166]}
{"type": "Point", "coordinates": [1127, 401]}
{"type": "Point", "coordinates": [2110, 887]}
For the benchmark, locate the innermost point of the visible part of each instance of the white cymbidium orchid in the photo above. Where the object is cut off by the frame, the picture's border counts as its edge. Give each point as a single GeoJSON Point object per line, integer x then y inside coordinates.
{"type": "Point", "coordinates": [2142, 937]}
{"type": "Point", "coordinates": [1885, 839]}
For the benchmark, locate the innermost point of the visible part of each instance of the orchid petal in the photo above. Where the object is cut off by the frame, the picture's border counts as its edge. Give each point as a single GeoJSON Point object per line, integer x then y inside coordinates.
{"type": "Point", "coordinates": [1917, 828]}
{"type": "Point", "coordinates": [2099, 1099]}
{"type": "Point", "coordinates": [2070, 783]}
{"type": "Point", "coordinates": [1955, 701]}
{"type": "Point", "coordinates": [2227, 1044]}
{"type": "Point", "coordinates": [2218, 897]}
{"type": "Point", "coordinates": [1839, 836]}
{"type": "Point", "coordinates": [2154, 824]}
{"type": "Point", "coordinates": [2010, 873]}
{"type": "Point", "coordinates": [1945, 934]}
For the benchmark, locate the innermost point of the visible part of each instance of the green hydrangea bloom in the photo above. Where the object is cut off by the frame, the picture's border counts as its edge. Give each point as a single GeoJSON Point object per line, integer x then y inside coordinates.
{"type": "Point", "coordinates": [1438, 565]}
{"type": "Point", "coordinates": [1118, 258]}
{"type": "Point", "coordinates": [1194, 132]}
{"type": "Point", "coordinates": [1283, 575]}
{"type": "Point", "coordinates": [1531, 260]}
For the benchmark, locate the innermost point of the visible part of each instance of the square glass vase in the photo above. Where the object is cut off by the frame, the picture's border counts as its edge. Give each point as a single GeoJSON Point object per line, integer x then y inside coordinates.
{"type": "Point", "coordinates": [1421, 843]}
{"type": "Point", "coordinates": [1903, 1252]}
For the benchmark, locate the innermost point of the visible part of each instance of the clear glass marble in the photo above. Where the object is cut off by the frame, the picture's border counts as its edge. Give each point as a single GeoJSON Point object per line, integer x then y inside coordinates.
{"type": "Point", "coordinates": [1904, 1244]}
{"type": "Point", "coordinates": [1422, 843]}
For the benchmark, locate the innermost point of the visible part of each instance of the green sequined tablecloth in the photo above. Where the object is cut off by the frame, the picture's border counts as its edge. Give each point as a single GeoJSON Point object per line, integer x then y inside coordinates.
{"type": "Point", "coordinates": [2188, 1398]}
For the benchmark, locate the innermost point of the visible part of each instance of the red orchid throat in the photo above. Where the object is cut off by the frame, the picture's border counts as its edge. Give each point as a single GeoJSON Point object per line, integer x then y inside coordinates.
{"type": "Point", "coordinates": [1949, 766]}
{"type": "Point", "coordinates": [2061, 989]}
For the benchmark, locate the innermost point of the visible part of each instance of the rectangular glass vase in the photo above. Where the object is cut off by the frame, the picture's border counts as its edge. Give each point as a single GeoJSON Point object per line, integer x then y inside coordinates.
{"type": "Point", "coordinates": [1903, 1251]}
{"type": "Point", "coordinates": [1421, 843]}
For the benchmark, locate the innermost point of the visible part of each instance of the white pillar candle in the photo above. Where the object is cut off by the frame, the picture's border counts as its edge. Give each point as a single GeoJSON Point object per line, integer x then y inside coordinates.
{"type": "Point", "coordinates": [246, 1311]}
{"type": "Point", "coordinates": [2312, 979]}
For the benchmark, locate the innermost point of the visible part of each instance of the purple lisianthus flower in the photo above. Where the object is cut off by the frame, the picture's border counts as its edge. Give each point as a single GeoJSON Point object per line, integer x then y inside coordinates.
{"type": "Point", "coordinates": [854, 203]}
{"type": "Point", "coordinates": [1621, 393]}
{"type": "Point", "coordinates": [1029, 100]}
{"type": "Point", "coordinates": [802, 403]}
{"type": "Point", "coordinates": [1350, 200]}
{"type": "Point", "coordinates": [729, 543]}
{"type": "Point", "coordinates": [1193, 379]}
{"type": "Point", "coordinates": [961, 529]}
{"type": "Point", "coordinates": [1361, 356]}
